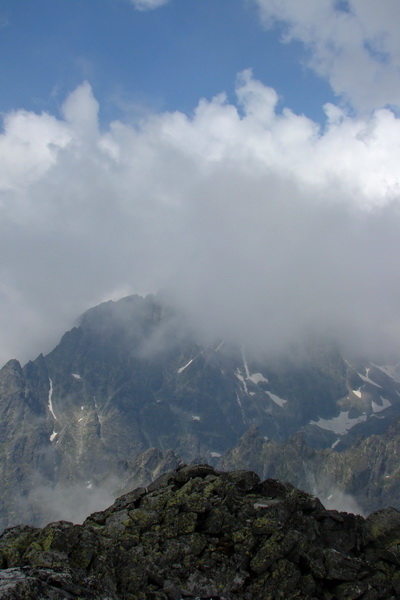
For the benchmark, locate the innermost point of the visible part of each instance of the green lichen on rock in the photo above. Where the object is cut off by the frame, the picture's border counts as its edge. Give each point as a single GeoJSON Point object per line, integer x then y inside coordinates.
{"type": "Point", "coordinates": [200, 533]}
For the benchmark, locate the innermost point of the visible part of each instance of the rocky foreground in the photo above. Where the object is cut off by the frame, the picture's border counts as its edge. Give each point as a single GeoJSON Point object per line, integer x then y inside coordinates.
{"type": "Point", "coordinates": [200, 533]}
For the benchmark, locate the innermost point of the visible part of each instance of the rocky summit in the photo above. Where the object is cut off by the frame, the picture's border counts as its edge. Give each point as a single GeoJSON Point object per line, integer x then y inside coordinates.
{"type": "Point", "coordinates": [197, 533]}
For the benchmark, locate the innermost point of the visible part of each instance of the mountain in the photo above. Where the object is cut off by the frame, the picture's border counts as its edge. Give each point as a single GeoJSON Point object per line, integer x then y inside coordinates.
{"type": "Point", "coordinates": [362, 478]}
{"type": "Point", "coordinates": [199, 533]}
{"type": "Point", "coordinates": [132, 391]}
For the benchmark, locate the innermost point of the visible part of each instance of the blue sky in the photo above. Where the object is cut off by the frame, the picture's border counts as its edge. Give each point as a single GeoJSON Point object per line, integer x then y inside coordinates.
{"type": "Point", "coordinates": [163, 59]}
{"type": "Point", "coordinates": [241, 155]}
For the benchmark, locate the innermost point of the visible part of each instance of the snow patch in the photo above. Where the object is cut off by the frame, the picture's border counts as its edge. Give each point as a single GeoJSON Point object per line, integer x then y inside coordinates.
{"type": "Point", "coordinates": [76, 376]}
{"type": "Point", "coordinates": [196, 418]}
{"type": "Point", "coordinates": [257, 377]}
{"type": "Point", "coordinates": [279, 401]}
{"type": "Point", "coordinates": [50, 400]}
{"type": "Point", "coordinates": [242, 379]}
{"type": "Point", "coordinates": [246, 368]}
{"type": "Point", "coordinates": [357, 392]}
{"type": "Point", "coordinates": [53, 436]}
{"type": "Point", "coordinates": [186, 366]}
{"type": "Point", "coordinates": [241, 408]}
{"type": "Point", "coordinates": [215, 455]}
{"type": "Point", "coordinates": [341, 424]}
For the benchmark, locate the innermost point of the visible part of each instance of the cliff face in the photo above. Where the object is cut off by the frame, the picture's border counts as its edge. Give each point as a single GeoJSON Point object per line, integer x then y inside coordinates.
{"type": "Point", "coordinates": [199, 533]}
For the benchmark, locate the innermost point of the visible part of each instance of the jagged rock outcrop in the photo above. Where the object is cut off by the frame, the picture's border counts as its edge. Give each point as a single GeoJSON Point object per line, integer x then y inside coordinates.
{"type": "Point", "coordinates": [199, 533]}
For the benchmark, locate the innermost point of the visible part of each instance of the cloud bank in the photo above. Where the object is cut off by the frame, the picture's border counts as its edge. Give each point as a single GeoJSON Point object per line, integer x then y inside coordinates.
{"type": "Point", "coordinates": [259, 222]}
{"type": "Point", "coordinates": [352, 43]}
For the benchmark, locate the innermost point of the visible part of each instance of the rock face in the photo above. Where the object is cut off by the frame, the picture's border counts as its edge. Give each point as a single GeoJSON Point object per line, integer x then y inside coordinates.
{"type": "Point", "coordinates": [199, 533]}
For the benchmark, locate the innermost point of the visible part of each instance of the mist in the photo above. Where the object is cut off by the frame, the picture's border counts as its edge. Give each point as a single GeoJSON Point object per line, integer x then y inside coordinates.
{"type": "Point", "coordinates": [72, 502]}
{"type": "Point", "coordinates": [260, 224]}
{"type": "Point", "coordinates": [339, 500]}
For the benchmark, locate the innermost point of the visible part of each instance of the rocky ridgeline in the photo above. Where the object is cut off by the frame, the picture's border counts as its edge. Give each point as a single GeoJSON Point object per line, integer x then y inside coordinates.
{"type": "Point", "coordinates": [199, 533]}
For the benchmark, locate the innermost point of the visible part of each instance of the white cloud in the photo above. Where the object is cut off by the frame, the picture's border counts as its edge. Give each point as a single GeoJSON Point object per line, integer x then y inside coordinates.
{"type": "Point", "coordinates": [354, 44]}
{"type": "Point", "coordinates": [80, 110]}
{"type": "Point", "coordinates": [148, 4]}
{"type": "Point", "coordinates": [258, 222]}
